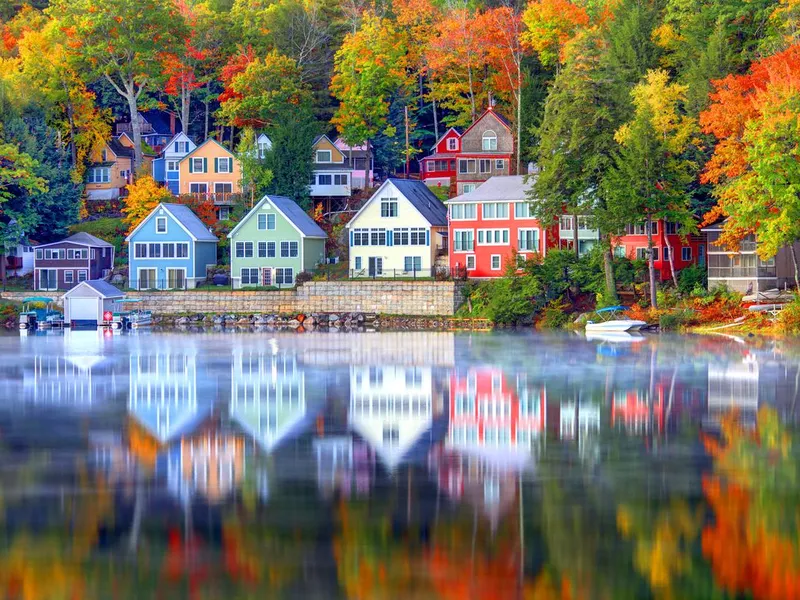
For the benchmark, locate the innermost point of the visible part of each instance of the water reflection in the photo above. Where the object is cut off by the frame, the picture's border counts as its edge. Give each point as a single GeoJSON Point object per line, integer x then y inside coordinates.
{"type": "Point", "coordinates": [398, 465]}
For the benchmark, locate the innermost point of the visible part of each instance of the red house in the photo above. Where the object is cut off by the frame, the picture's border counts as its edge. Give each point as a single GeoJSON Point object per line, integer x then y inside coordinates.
{"type": "Point", "coordinates": [687, 251]}
{"type": "Point", "coordinates": [487, 225]}
{"type": "Point", "coordinates": [439, 168]}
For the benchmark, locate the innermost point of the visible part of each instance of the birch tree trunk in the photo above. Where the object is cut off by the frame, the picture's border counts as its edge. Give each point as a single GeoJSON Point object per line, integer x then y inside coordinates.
{"type": "Point", "coordinates": [608, 268]}
{"type": "Point", "coordinates": [794, 262]}
{"type": "Point", "coordinates": [651, 268]}
{"type": "Point", "coordinates": [671, 257]}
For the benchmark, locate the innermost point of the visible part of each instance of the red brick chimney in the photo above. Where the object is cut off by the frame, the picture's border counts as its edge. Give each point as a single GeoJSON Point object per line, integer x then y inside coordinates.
{"type": "Point", "coordinates": [172, 123]}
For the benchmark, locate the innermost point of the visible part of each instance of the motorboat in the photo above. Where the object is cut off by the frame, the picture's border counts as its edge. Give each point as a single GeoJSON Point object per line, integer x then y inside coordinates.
{"type": "Point", "coordinates": [614, 337]}
{"type": "Point", "coordinates": [613, 324]}
{"type": "Point", "coordinates": [38, 313]}
{"type": "Point", "coordinates": [129, 317]}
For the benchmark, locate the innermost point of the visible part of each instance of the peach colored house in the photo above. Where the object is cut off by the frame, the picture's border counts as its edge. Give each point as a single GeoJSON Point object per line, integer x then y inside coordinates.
{"type": "Point", "coordinates": [212, 170]}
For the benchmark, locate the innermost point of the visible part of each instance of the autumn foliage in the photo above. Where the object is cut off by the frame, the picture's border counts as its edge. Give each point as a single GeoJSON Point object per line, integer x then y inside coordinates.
{"type": "Point", "coordinates": [143, 196]}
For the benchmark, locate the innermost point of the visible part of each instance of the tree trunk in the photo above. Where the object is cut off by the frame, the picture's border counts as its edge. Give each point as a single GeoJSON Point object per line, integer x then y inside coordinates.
{"type": "Point", "coordinates": [794, 261]}
{"type": "Point", "coordinates": [435, 122]}
{"type": "Point", "coordinates": [651, 268]}
{"type": "Point", "coordinates": [671, 257]}
{"type": "Point", "coordinates": [519, 117]}
{"type": "Point", "coordinates": [471, 94]}
{"type": "Point", "coordinates": [73, 148]}
{"type": "Point", "coordinates": [368, 154]}
{"type": "Point", "coordinates": [575, 240]}
{"type": "Point", "coordinates": [186, 102]}
{"type": "Point", "coordinates": [136, 128]}
{"type": "Point", "coordinates": [608, 268]}
{"type": "Point", "coordinates": [205, 103]}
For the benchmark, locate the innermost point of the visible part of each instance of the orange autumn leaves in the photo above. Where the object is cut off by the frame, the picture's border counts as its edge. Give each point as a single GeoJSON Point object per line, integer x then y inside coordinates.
{"type": "Point", "coordinates": [752, 543]}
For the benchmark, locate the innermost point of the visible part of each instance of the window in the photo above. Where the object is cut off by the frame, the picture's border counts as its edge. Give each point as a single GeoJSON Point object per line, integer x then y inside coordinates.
{"type": "Point", "coordinates": [471, 262]}
{"type": "Point", "coordinates": [665, 253]}
{"type": "Point", "coordinates": [566, 223]}
{"type": "Point", "coordinates": [244, 249]}
{"type": "Point", "coordinates": [70, 254]}
{"type": "Point", "coordinates": [172, 165]}
{"type": "Point", "coordinates": [161, 224]}
{"type": "Point", "coordinates": [289, 249]}
{"type": "Point", "coordinates": [360, 237]}
{"type": "Point", "coordinates": [452, 144]}
{"type": "Point", "coordinates": [468, 187]}
{"type": "Point", "coordinates": [496, 262]}
{"type": "Point", "coordinates": [391, 435]}
{"type": "Point", "coordinates": [140, 250]}
{"type": "Point", "coordinates": [168, 250]}
{"type": "Point", "coordinates": [39, 254]}
{"type": "Point", "coordinates": [176, 279]}
{"type": "Point", "coordinates": [389, 207]}
{"type": "Point", "coordinates": [284, 276]}
{"type": "Point", "coordinates": [323, 156]}
{"type": "Point", "coordinates": [182, 249]}
{"type": "Point", "coordinates": [670, 227]}
{"type": "Point", "coordinates": [377, 237]}
{"type": "Point", "coordinates": [263, 148]}
{"type": "Point", "coordinates": [466, 165]}
{"type": "Point", "coordinates": [464, 240]}
{"type": "Point", "coordinates": [262, 221]}
{"type": "Point", "coordinates": [83, 275]}
{"type": "Point", "coordinates": [413, 263]}
{"type": "Point", "coordinates": [181, 147]}
{"type": "Point", "coordinates": [249, 276]}
{"type": "Point", "coordinates": [655, 254]}
{"type": "Point", "coordinates": [484, 165]}
{"type": "Point", "coordinates": [495, 210]}
{"type": "Point", "coordinates": [324, 179]}
{"type": "Point", "coordinates": [68, 276]}
{"type": "Point", "coordinates": [686, 254]}
{"type": "Point", "coordinates": [198, 188]}
{"type": "Point", "coordinates": [500, 164]}
{"type": "Point", "coordinates": [523, 210]}
{"type": "Point", "coordinates": [489, 141]}
{"type": "Point", "coordinates": [99, 175]}
{"type": "Point", "coordinates": [400, 237]}
{"type": "Point", "coordinates": [340, 179]}
{"type": "Point", "coordinates": [418, 237]}
{"type": "Point", "coordinates": [262, 249]}
{"type": "Point", "coordinates": [224, 213]}
{"type": "Point", "coordinates": [528, 239]}
{"type": "Point", "coordinates": [358, 263]}
{"type": "Point", "coordinates": [154, 250]}
{"type": "Point", "coordinates": [224, 165]}
{"type": "Point", "coordinates": [463, 211]}
{"type": "Point", "coordinates": [619, 251]}
{"type": "Point", "coordinates": [198, 165]}
{"type": "Point", "coordinates": [270, 249]}
{"type": "Point", "coordinates": [223, 188]}
{"type": "Point", "coordinates": [641, 254]}
{"type": "Point", "coordinates": [492, 237]}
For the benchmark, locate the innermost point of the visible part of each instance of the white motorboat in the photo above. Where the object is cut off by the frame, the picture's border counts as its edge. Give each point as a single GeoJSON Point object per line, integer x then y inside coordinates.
{"type": "Point", "coordinates": [614, 337]}
{"type": "Point", "coordinates": [613, 325]}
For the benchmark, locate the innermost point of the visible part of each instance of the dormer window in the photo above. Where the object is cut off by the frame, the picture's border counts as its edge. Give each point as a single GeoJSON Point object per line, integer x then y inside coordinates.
{"type": "Point", "coordinates": [323, 156]}
{"type": "Point", "coordinates": [161, 224]}
{"type": "Point", "coordinates": [489, 140]}
{"type": "Point", "coordinates": [104, 155]}
{"type": "Point", "coordinates": [452, 144]}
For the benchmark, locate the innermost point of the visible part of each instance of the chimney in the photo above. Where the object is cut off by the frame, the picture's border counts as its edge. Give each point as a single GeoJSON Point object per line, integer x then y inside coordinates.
{"type": "Point", "coordinates": [172, 123]}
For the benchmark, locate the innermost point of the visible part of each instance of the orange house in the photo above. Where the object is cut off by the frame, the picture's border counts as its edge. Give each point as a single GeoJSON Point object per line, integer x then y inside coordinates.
{"type": "Point", "coordinates": [110, 170]}
{"type": "Point", "coordinates": [210, 170]}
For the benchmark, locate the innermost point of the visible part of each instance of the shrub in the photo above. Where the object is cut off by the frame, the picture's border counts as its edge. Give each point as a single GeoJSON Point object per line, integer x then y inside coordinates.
{"type": "Point", "coordinates": [690, 278]}
{"type": "Point", "coordinates": [303, 277]}
{"type": "Point", "coordinates": [554, 315]}
{"type": "Point", "coordinates": [674, 320]}
{"type": "Point", "coordinates": [789, 317]}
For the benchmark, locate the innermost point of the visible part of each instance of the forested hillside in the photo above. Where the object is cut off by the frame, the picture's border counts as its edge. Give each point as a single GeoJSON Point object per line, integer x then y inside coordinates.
{"type": "Point", "coordinates": [671, 109]}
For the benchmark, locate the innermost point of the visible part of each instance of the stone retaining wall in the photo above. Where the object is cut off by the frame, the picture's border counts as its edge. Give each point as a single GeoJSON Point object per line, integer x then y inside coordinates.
{"type": "Point", "coordinates": [424, 298]}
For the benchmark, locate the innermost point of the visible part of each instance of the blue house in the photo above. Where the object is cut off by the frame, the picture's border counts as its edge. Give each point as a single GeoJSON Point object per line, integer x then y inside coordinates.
{"type": "Point", "coordinates": [165, 167]}
{"type": "Point", "coordinates": [170, 249]}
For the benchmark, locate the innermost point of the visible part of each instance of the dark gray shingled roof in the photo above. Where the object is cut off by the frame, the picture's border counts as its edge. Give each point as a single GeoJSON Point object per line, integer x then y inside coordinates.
{"type": "Point", "coordinates": [298, 216]}
{"type": "Point", "coordinates": [104, 288]}
{"type": "Point", "coordinates": [185, 216]}
{"type": "Point", "coordinates": [423, 199]}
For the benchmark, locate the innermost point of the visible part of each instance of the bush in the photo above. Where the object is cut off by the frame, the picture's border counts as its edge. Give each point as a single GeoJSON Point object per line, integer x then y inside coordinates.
{"type": "Point", "coordinates": [110, 229]}
{"type": "Point", "coordinates": [303, 277]}
{"type": "Point", "coordinates": [672, 321]}
{"type": "Point", "coordinates": [789, 317]}
{"type": "Point", "coordinates": [691, 278]}
{"type": "Point", "coordinates": [554, 315]}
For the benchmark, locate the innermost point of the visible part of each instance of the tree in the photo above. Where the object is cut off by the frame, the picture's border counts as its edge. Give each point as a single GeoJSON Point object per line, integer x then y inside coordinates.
{"type": "Point", "coordinates": [263, 92]}
{"type": "Point", "coordinates": [290, 159]}
{"type": "Point", "coordinates": [368, 70]}
{"type": "Point", "coordinates": [144, 195]}
{"type": "Point", "coordinates": [123, 42]}
{"type": "Point", "coordinates": [550, 25]}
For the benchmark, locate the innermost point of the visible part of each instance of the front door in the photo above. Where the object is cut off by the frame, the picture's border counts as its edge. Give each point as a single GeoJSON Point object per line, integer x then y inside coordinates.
{"type": "Point", "coordinates": [375, 266]}
{"type": "Point", "coordinates": [48, 279]}
{"type": "Point", "coordinates": [266, 276]}
{"type": "Point", "coordinates": [147, 279]}
{"type": "Point", "coordinates": [176, 279]}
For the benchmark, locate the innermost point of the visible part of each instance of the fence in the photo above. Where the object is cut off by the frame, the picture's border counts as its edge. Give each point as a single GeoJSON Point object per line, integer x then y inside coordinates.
{"type": "Point", "coordinates": [437, 274]}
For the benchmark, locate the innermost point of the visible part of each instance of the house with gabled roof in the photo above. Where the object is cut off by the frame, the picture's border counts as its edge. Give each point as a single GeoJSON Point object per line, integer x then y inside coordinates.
{"type": "Point", "coordinates": [274, 242]}
{"type": "Point", "coordinates": [166, 168]}
{"type": "Point", "coordinates": [211, 171]}
{"type": "Point", "coordinates": [438, 169]}
{"type": "Point", "coordinates": [157, 127]}
{"type": "Point", "coordinates": [170, 249]}
{"type": "Point", "coordinates": [356, 157]}
{"type": "Point", "coordinates": [63, 264]}
{"type": "Point", "coordinates": [487, 148]}
{"type": "Point", "coordinates": [332, 173]}
{"type": "Point", "coordinates": [109, 170]}
{"type": "Point", "coordinates": [399, 232]}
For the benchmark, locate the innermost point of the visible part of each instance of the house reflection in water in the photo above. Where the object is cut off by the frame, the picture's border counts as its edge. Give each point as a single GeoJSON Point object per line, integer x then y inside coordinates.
{"type": "Point", "coordinates": [211, 464]}
{"type": "Point", "coordinates": [344, 465]}
{"type": "Point", "coordinates": [164, 395]}
{"type": "Point", "coordinates": [734, 385]}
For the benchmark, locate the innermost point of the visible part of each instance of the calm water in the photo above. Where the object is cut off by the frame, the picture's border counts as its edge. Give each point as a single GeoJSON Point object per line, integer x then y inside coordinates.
{"type": "Point", "coordinates": [397, 465]}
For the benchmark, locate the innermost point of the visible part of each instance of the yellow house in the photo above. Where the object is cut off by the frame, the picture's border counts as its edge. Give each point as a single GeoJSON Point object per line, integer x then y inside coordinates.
{"type": "Point", "coordinates": [212, 170]}
{"type": "Point", "coordinates": [109, 171]}
{"type": "Point", "coordinates": [331, 170]}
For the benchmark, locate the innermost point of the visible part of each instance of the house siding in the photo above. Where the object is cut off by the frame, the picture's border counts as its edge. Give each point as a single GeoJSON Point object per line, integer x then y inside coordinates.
{"type": "Point", "coordinates": [472, 148]}
{"type": "Point", "coordinates": [209, 151]}
{"type": "Point", "coordinates": [313, 253]}
{"type": "Point", "coordinates": [116, 180]}
{"type": "Point", "coordinates": [94, 266]}
{"type": "Point", "coordinates": [631, 242]}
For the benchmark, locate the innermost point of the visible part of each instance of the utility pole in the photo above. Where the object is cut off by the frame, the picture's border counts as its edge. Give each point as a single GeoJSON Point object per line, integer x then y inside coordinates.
{"type": "Point", "coordinates": [408, 151]}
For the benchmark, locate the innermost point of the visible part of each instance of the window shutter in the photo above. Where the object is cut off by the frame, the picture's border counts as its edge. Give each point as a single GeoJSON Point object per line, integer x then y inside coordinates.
{"type": "Point", "coordinates": [351, 237]}
{"type": "Point", "coordinates": [390, 237]}
{"type": "Point", "coordinates": [191, 165]}
{"type": "Point", "coordinates": [230, 165]}
{"type": "Point", "coordinates": [205, 165]}
{"type": "Point", "coordinates": [427, 237]}
{"type": "Point", "coordinates": [216, 165]}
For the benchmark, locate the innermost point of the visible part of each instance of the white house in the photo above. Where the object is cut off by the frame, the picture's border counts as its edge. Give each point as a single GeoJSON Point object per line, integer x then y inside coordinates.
{"type": "Point", "coordinates": [399, 231]}
{"type": "Point", "coordinates": [166, 168]}
{"type": "Point", "coordinates": [88, 301]}
{"type": "Point", "coordinates": [332, 173]}
{"type": "Point", "coordinates": [263, 145]}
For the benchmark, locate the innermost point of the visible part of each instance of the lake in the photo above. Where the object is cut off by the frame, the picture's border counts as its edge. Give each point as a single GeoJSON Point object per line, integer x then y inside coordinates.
{"type": "Point", "coordinates": [398, 465]}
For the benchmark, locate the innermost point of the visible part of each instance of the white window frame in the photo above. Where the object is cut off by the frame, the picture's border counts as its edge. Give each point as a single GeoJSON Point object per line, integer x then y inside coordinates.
{"type": "Point", "coordinates": [462, 209]}
{"type": "Point", "coordinates": [321, 175]}
{"type": "Point", "coordinates": [83, 275]}
{"type": "Point", "coordinates": [166, 277]}
{"type": "Point", "coordinates": [489, 136]}
{"type": "Point", "coordinates": [470, 261]}
{"type": "Point", "coordinates": [389, 204]}
{"type": "Point", "coordinates": [468, 187]}
{"type": "Point", "coordinates": [195, 168]}
{"type": "Point", "coordinates": [466, 162]}
{"type": "Point", "coordinates": [198, 183]}
{"type": "Point", "coordinates": [484, 165]}
{"type": "Point", "coordinates": [500, 164]}
{"type": "Point", "coordinates": [318, 156]}
{"type": "Point", "coordinates": [249, 271]}
{"type": "Point", "coordinates": [526, 230]}
{"type": "Point", "coordinates": [456, 233]}
{"type": "Point", "coordinates": [139, 278]}
{"type": "Point", "coordinates": [99, 175]}
{"type": "Point", "coordinates": [497, 206]}
{"type": "Point", "coordinates": [341, 179]}
{"type": "Point", "coordinates": [159, 221]}
{"type": "Point", "coordinates": [227, 184]}
{"type": "Point", "coordinates": [452, 144]}
{"type": "Point", "coordinates": [282, 271]}
{"type": "Point", "coordinates": [172, 165]}
{"type": "Point", "coordinates": [499, 258]}
{"type": "Point", "coordinates": [487, 233]}
{"type": "Point", "coordinates": [224, 161]}
{"type": "Point", "coordinates": [69, 276]}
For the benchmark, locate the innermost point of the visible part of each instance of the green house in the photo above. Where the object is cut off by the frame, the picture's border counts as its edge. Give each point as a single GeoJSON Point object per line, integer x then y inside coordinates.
{"type": "Point", "coordinates": [273, 243]}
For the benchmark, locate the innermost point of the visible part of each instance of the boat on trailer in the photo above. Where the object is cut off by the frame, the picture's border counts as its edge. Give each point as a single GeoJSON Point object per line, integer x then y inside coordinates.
{"type": "Point", "coordinates": [35, 317]}
{"type": "Point", "coordinates": [130, 318]}
{"type": "Point", "coordinates": [612, 323]}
